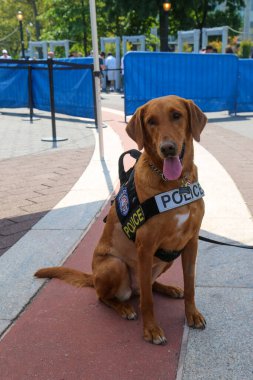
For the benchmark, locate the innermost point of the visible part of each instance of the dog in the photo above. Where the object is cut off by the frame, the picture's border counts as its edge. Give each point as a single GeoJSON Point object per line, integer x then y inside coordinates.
{"type": "Point", "coordinates": [129, 257]}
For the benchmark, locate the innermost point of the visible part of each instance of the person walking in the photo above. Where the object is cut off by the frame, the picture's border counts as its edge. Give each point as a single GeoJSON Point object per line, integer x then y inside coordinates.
{"type": "Point", "coordinates": [110, 63]}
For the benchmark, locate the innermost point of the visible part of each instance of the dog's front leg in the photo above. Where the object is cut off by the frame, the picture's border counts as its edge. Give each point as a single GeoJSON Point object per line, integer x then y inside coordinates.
{"type": "Point", "coordinates": [152, 332]}
{"type": "Point", "coordinates": [194, 317]}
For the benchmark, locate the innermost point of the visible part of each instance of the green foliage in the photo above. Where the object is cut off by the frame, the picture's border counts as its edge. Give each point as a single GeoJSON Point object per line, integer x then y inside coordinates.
{"type": "Point", "coordinates": [245, 49]}
{"type": "Point", "coordinates": [152, 43]}
{"type": "Point", "coordinates": [217, 45]}
{"type": "Point", "coordinates": [9, 22]}
{"type": "Point", "coordinates": [65, 19]}
{"type": "Point", "coordinates": [187, 48]}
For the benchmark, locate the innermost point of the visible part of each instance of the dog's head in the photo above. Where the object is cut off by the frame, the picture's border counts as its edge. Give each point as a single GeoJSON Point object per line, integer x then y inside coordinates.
{"type": "Point", "coordinates": [164, 127]}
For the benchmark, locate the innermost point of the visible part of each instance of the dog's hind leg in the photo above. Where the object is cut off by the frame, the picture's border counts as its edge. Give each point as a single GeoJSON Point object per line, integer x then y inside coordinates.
{"type": "Point", "coordinates": [170, 291]}
{"type": "Point", "coordinates": [112, 284]}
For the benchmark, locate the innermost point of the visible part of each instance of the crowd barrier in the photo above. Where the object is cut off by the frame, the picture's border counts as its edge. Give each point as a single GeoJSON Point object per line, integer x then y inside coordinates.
{"type": "Point", "coordinates": [67, 83]}
{"type": "Point", "coordinates": [215, 82]}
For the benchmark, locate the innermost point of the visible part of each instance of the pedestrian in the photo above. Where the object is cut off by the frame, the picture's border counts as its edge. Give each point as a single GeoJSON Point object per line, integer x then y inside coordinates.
{"type": "Point", "coordinates": [110, 63]}
{"type": "Point", "coordinates": [229, 50]}
{"type": "Point", "coordinates": [102, 70]}
{"type": "Point", "coordinates": [50, 55]}
{"type": "Point", "coordinates": [5, 54]}
{"type": "Point", "coordinates": [122, 73]}
{"type": "Point", "coordinates": [209, 49]}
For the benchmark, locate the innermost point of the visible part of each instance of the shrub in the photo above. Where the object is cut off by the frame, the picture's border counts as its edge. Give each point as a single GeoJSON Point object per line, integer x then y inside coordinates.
{"type": "Point", "coordinates": [245, 49]}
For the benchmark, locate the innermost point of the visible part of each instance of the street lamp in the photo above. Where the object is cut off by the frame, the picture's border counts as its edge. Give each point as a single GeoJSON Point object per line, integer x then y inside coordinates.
{"type": "Point", "coordinates": [20, 19]}
{"type": "Point", "coordinates": [164, 25]}
{"type": "Point", "coordinates": [166, 6]}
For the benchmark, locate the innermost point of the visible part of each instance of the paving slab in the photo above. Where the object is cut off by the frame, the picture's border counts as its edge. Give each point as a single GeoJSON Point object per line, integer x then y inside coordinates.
{"type": "Point", "coordinates": [224, 350]}
{"type": "Point", "coordinates": [224, 289]}
{"type": "Point", "coordinates": [35, 175]}
{"type": "Point", "coordinates": [224, 266]}
{"type": "Point", "coordinates": [55, 236]}
{"type": "Point", "coordinates": [23, 138]}
{"type": "Point", "coordinates": [65, 333]}
{"type": "Point", "coordinates": [36, 249]}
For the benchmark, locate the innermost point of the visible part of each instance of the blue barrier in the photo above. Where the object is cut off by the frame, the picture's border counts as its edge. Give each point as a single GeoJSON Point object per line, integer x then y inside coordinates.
{"type": "Point", "coordinates": [244, 102]}
{"type": "Point", "coordinates": [216, 82]}
{"type": "Point", "coordinates": [73, 86]}
{"type": "Point", "coordinates": [212, 81]}
{"type": "Point", "coordinates": [73, 89]}
{"type": "Point", "coordinates": [13, 86]}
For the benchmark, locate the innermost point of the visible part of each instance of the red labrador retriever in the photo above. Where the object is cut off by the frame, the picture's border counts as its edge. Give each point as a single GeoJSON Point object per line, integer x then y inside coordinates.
{"type": "Point", "coordinates": [155, 218]}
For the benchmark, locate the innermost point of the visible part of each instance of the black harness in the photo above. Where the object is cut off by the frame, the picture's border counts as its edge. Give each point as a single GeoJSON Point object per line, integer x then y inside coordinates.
{"type": "Point", "coordinates": [133, 214]}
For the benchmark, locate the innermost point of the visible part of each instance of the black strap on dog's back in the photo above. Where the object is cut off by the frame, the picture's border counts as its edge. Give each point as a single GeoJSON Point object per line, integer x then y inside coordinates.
{"type": "Point", "coordinates": [124, 175]}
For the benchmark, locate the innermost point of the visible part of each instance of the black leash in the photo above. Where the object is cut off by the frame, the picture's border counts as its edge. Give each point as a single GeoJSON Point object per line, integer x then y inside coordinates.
{"type": "Point", "coordinates": [221, 243]}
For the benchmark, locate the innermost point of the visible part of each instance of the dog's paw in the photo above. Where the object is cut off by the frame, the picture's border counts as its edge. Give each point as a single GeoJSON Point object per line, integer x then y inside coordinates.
{"type": "Point", "coordinates": [175, 292]}
{"type": "Point", "coordinates": [168, 290]}
{"type": "Point", "coordinates": [154, 335]}
{"type": "Point", "coordinates": [196, 320]}
{"type": "Point", "coordinates": [127, 312]}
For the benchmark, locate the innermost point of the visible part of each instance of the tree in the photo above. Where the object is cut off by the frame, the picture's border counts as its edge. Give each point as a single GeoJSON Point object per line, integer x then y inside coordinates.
{"type": "Point", "coordinates": [34, 6]}
{"type": "Point", "coordinates": [64, 19]}
{"type": "Point", "coordinates": [190, 14]}
{"type": "Point", "coordinates": [197, 14]}
{"type": "Point", "coordinates": [9, 23]}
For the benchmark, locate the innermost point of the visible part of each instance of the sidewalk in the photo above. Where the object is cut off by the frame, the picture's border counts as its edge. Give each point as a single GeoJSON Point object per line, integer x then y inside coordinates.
{"type": "Point", "coordinates": [35, 177]}
{"type": "Point", "coordinates": [60, 332]}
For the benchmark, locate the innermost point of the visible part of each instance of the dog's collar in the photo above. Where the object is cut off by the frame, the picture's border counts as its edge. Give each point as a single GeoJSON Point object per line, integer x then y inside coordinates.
{"type": "Point", "coordinates": [185, 181]}
{"type": "Point", "coordinates": [160, 173]}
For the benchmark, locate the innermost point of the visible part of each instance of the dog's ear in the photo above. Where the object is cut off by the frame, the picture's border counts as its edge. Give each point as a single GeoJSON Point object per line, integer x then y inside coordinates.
{"type": "Point", "coordinates": [134, 128]}
{"type": "Point", "coordinates": [197, 119]}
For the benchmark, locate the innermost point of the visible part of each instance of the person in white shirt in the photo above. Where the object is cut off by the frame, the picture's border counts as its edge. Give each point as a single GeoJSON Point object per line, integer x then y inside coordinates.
{"type": "Point", "coordinates": [5, 54]}
{"type": "Point", "coordinates": [110, 63]}
{"type": "Point", "coordinates": [122, 73]}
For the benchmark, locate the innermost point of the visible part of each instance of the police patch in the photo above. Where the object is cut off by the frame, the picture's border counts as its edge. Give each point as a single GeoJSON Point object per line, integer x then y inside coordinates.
{"type": "Point", "coordinates": [123, 201]}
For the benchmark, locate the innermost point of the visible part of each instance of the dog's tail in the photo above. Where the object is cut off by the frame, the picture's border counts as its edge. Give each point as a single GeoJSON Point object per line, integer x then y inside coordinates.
{"type": "Point", "coordinates": [71, 276]}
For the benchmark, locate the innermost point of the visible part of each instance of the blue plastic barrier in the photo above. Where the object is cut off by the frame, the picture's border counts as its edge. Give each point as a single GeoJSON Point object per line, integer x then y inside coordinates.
{"type": "Point", "coordinates": [215, 82]}
{"type": "Point", "coordinates": [244, 101]}
{"type": "Point", "coordinates": [73, 87]}
{"type": "Point", "coordinates": [208, 79]}
{"type": "Point", "coordinates": [13, 86]}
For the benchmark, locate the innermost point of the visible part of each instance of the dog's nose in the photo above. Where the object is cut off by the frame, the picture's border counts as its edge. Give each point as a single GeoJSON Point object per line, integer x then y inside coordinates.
{"type": "Point", "coordinates": [168, 148]}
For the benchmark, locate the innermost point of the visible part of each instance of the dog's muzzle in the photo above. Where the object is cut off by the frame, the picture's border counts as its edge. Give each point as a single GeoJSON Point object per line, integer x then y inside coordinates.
{"type": "Point", "coordinates": [168, 149]}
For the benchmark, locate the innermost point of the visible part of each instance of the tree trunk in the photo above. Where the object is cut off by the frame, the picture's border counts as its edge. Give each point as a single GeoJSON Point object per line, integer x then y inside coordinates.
{"type": "Point", "coordinates": [37, 23]}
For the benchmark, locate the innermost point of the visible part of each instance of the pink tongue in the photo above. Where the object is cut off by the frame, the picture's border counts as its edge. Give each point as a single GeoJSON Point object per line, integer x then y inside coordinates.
{"type": "Point", "coordinates": [172, 168]}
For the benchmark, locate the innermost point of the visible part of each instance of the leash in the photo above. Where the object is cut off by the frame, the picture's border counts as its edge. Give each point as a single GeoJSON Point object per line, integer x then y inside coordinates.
{"type": "Point", "coordinates": [207, 240]}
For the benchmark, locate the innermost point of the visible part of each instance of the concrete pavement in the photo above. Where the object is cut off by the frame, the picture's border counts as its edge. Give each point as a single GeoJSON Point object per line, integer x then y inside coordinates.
{"type": "Point", "coordinates": [35, 177]}
{"type": "Point", "coordinates": [64, 333]}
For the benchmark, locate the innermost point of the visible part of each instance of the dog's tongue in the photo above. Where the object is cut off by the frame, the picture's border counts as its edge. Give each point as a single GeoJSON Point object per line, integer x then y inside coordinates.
{"type": "Point", "coordinates": [172, 168]}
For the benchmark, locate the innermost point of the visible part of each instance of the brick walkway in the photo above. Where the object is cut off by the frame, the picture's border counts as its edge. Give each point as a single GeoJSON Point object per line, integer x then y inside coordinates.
{"type": "Point", "coordinates": [31, 185]}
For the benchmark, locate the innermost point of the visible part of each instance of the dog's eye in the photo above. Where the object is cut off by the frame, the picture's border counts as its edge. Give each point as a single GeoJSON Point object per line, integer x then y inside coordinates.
{"type": "Point", "coordinates": [152, 122]}
{"type": "Point", "coordinates": [176, 115]}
